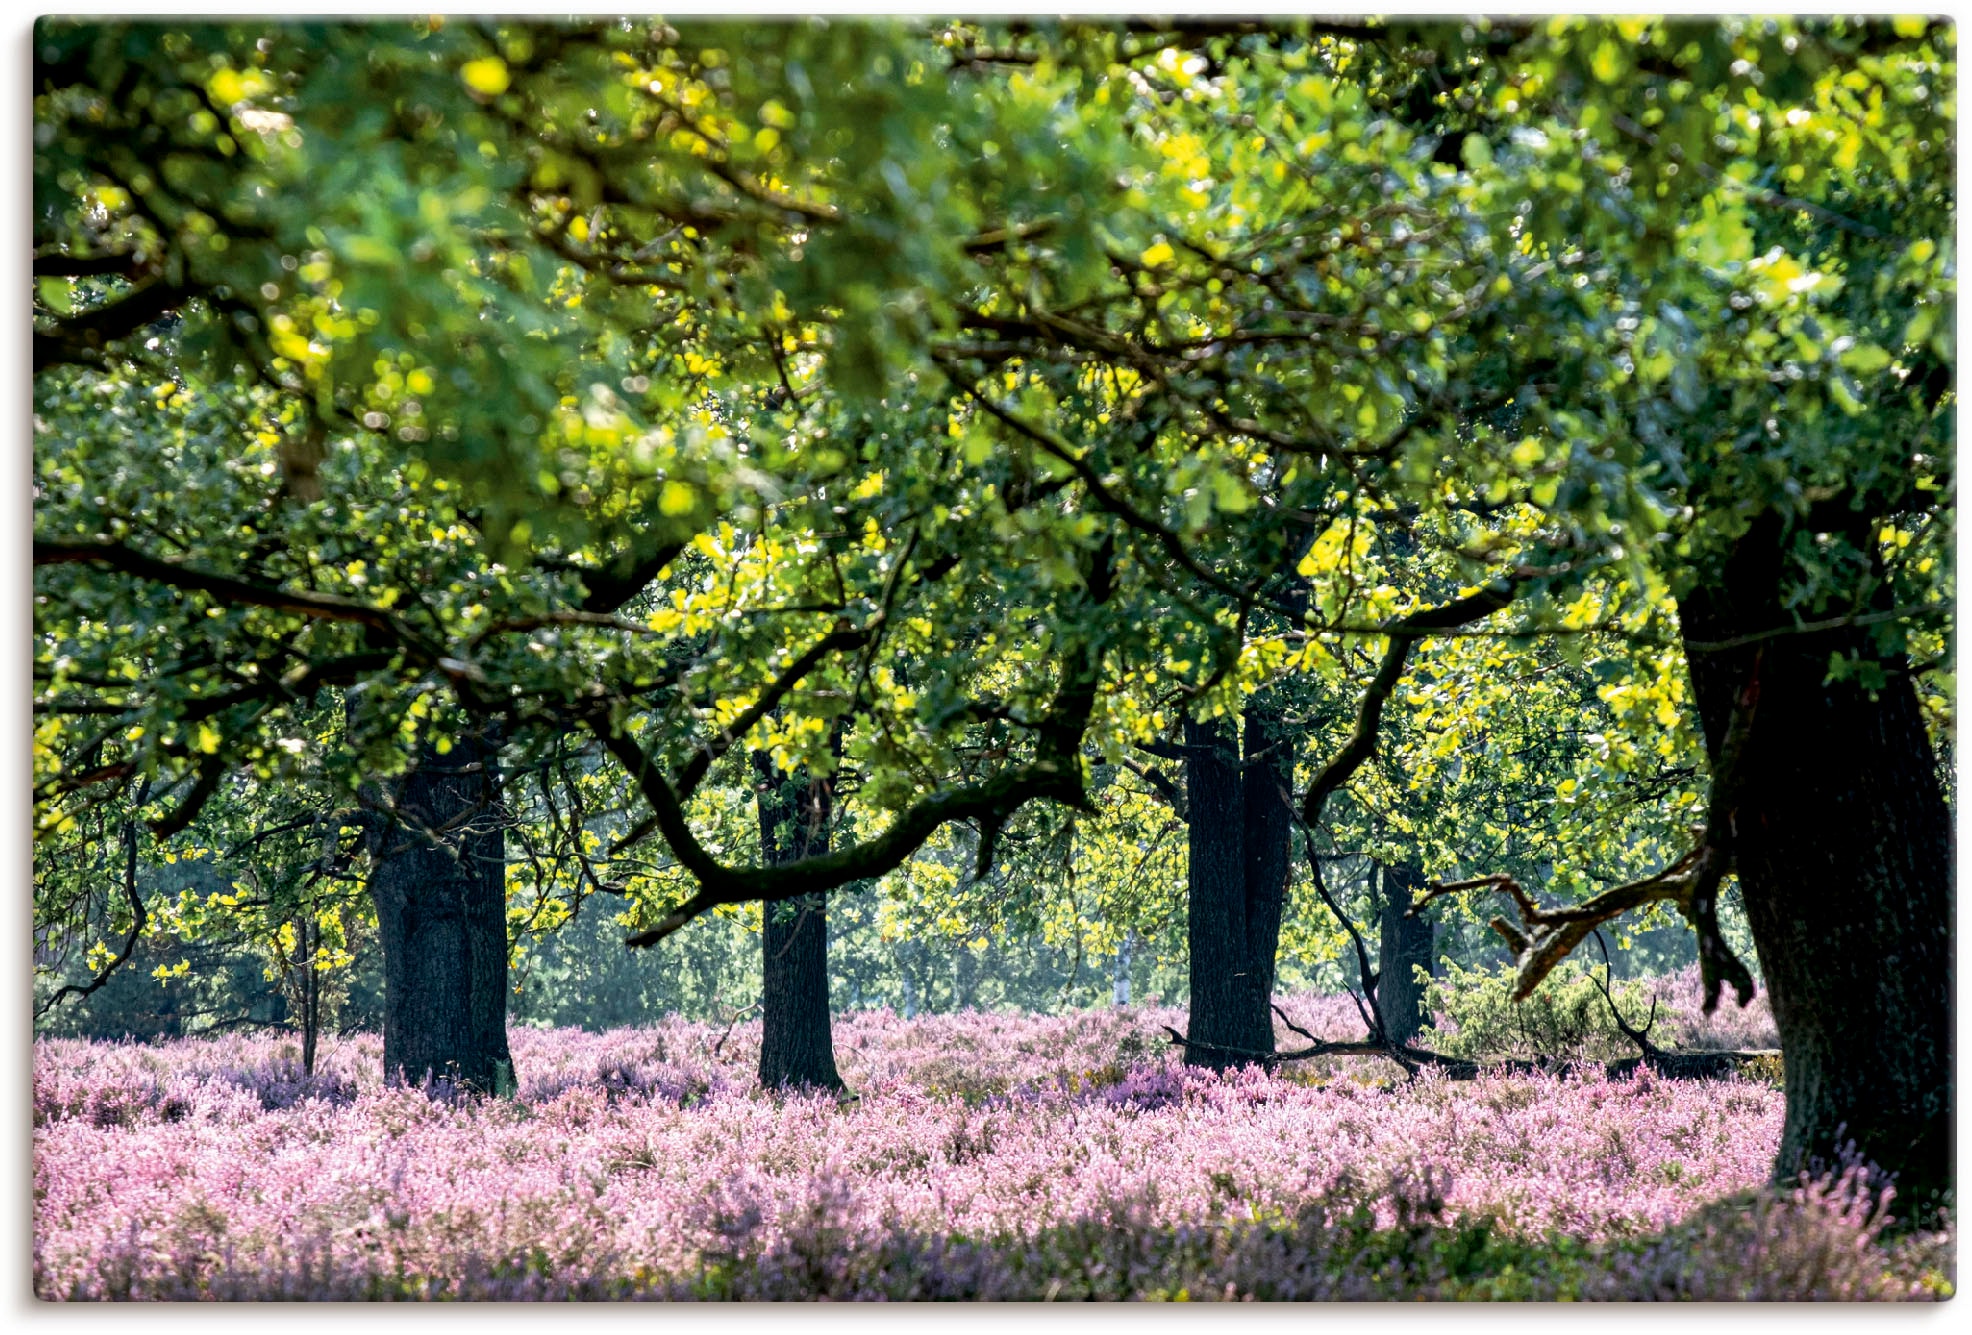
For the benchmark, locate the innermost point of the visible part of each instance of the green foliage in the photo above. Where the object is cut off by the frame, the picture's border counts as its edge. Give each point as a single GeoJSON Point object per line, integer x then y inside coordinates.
{"type": "Point", "coordinates": [580, 975]}
{"type": "Point", "coordinates": [990, 396]}
{"type": "Point", "coordinates": [1565, 1019]}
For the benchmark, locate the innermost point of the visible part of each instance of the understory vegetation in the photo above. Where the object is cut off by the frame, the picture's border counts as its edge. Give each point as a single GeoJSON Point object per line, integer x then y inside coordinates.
{"type": "Point", "coordinates": [981, 1156]}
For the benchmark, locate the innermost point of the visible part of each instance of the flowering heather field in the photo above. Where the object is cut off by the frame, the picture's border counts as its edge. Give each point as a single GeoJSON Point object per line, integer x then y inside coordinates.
{"type": "Point", "coordinates": [987, 1156]}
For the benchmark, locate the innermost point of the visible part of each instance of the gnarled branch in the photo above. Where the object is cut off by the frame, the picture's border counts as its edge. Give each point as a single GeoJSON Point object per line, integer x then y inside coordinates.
{"type": "Point", "coordinates": [1055, 772]}
{"type": "Point", "coordinates": [1404, 632]}
{"type": "Point", "coordinates": [1692, 883]}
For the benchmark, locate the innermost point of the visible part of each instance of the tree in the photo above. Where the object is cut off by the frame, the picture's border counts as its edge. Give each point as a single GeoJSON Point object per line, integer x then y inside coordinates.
{"type": "Point", "coordinates": [1240, 857]}
{"type": "Point", "coordinates": [1404, 947]}
{"type": "Point", "coordinates": [1842, 844]}
{"type": "Point", "coordinates": [439, 879]}
{"type": "Point", "coordinates": [1795, 596]}
{"type": "Point", "coordinates": [1634, 327]}
{"type": "Point", "coordinates": [350, 533]}
{"type": "Point", "coordinates": [1828, 452]}
{"type": "Point", "coordinates": [796, 1047]}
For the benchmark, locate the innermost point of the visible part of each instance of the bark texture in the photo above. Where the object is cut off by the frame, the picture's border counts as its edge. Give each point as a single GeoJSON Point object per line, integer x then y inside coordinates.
{"type": "Point", "coordinates": [1239, 855]}
{"type": "Point", "coordinates": [1405, 945]}
{"type": "Point", "coordinates": [797, 1047]}
{"type": "Point", "coordinates": [439, 882]}
{"type": "Point", "coordinates": [1842, 843]}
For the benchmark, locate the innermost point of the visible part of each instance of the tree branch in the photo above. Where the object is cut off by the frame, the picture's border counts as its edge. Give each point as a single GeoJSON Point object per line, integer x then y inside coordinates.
{"type": "Point", "coordinates": [139, 915]}
{"type": "Point", "coordinates": [1403, 632]}
{"type": "Point", "coordinates": [83, 337]}
{"type": "Point", "coordinates": [702, 760]}
{"type": "Point", "coordinates": [998, 796]}
{"type": "Point", "coordinates": [607, 590]}
{"type": "Point", "coordinates": [211, 770]}
{"type": "Point", "coordinates": [58, 265]}
{"type": "Point", "coordinates": [228, 589]}
{"type": "Point", "coordinates": [1055, 772]}
{"type": "Point", "coordinates": [1172, 544]}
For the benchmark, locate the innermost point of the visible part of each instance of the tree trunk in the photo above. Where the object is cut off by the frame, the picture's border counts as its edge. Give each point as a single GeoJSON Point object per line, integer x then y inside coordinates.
{"type": "Point", "coordinates": [439, 881]}
{"type": "Point", "coordinates": [1239, 852]}
{"type": "Point", "coordinates": [1267, 802]}
{"type": "Point", "coordinates": [309, 940]}
{"type": "Point", "coordinates": [1120, 971]}
{"type": "Point", "coordinates": [1843, 848]}
{"type": "Point", "coordinates": [1406, 944]}
{"type": "Point", "coordinates": [965, 978]}
{"type": "Point", "coordinates": [796, 1045]}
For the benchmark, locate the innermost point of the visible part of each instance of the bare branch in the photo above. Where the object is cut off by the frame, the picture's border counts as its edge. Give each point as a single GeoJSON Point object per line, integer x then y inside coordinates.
{"type": "Point", "coordinates": [1640, 1037]}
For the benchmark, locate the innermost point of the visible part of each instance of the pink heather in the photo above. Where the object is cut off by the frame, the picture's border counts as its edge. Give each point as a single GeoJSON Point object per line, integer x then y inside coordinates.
{"type": "Point", "coordinates": [638, 1157]}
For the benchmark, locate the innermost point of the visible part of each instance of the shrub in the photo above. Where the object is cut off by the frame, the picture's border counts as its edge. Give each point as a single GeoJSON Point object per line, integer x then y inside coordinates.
{"type": "Point", "coordinates": [1566, 1018]}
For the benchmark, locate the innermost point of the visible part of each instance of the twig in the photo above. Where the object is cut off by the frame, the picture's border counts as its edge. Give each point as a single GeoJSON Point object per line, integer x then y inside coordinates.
{"type": "Point", "coordinates": [139, 915]}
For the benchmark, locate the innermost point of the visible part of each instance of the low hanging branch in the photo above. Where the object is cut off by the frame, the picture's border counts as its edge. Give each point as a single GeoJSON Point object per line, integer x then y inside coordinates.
{"type": "Point", "coordinates": [1055, 773]}
{"type": "Point", "coordinates": [1545, 937]}
{"type": "Point", "coordinates": [990, 801]}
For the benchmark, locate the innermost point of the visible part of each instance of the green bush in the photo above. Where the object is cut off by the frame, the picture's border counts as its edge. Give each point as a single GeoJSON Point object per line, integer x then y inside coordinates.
{"type": "Point", "coordinates": [1566, 1018]}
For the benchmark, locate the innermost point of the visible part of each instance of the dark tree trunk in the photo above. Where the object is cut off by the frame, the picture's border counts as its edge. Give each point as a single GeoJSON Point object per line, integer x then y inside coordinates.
{"type": "Point", "coordinates": [1843, 847]}
{"type": "Point", "coordinates": [1405, 946]}
{"type": "Point", "coordinates": [1267, 787]}
{"type": "Point", "coordinates": [1216, 912]}
{"type": "Point", "coordinates": [796, 1044]}
{"type": "Point", "coordinates": [1239, 853]}
{"type": "Point", "coordinates": [439, 882]}
{"type": "Point", "coordinates": [308, 940]}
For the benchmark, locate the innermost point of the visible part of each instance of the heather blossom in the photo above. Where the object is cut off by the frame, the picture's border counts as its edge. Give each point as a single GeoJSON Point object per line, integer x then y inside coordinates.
{"type": "Point", "coordinates": [982, 1155]}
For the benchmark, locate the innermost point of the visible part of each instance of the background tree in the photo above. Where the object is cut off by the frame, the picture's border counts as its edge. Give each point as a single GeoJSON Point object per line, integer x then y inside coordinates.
{"type": "Point", "coordinates": [796, 1047]}
{"type": "Point", "coordinates": [439, 878]}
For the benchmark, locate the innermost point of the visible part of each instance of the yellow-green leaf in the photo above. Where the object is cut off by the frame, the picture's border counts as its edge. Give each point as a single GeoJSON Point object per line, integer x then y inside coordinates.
{"type": "Point", "coordinates": [487, 77]}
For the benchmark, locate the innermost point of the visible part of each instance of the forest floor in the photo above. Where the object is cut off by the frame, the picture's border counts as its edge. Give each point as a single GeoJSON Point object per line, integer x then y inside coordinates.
{"type": "Point", "coordinates": [983, 1156]}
